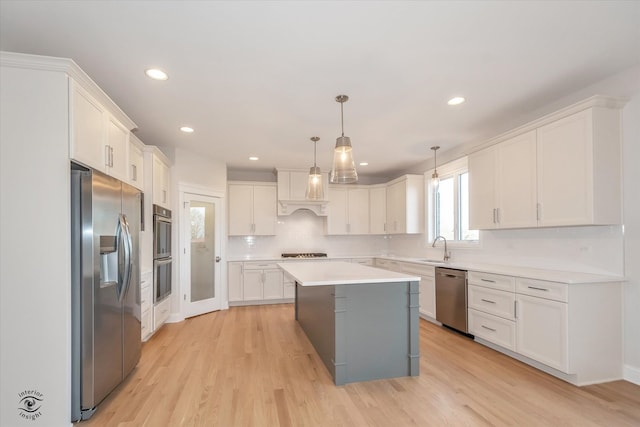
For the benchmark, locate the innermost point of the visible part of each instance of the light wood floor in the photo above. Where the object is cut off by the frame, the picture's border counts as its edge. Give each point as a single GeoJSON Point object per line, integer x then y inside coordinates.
{"type": "Point", "coordinates": [253, 366]}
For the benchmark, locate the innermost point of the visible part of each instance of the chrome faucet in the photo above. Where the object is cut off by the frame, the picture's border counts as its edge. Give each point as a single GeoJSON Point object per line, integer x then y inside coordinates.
{"type": "Point", "coordinates": [446, 252]}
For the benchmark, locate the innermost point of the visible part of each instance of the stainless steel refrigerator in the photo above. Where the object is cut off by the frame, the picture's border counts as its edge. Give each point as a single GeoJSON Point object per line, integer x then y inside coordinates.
{"type": "Point", "coordinates": [105, 291]}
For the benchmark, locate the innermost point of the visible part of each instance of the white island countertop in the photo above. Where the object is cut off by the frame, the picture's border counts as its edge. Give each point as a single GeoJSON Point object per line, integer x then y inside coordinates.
{"type": "Point", "coordinates": [341, 273]}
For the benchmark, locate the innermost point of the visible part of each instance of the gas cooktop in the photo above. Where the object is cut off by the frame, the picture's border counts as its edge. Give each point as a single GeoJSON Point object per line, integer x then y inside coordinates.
{"type": "Point", "coordinates": [304, 255]}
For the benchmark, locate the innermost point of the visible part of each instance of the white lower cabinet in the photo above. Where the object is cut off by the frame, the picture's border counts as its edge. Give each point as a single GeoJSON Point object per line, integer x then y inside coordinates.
{"type": "Point", "coordinates": [427, 296]}
{"type": "Point", "coordinates": [493, 328]}
{"type": "Point", "coordinates": [161, 312]}
{"type": "Point", "coordinates": [256, 283]}
{"type": "Point", "coordinates": [146, 302]}
{"type": "Point", "coordinates": [572, 331]}
{"type": "Point", "coordinates": [542, 331]}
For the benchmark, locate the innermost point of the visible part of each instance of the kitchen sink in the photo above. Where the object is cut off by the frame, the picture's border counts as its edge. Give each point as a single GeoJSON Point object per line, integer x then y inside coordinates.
{"type": "Point", "coordinates": [432, 261]}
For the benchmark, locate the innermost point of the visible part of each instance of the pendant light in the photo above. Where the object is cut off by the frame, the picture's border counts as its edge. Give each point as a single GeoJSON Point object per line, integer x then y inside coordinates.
{"type": "Point", "coordinates": [314, 187]}
{"type": "Point", "coordinates": [344, 168]}
{"type": "Point", "coordinates": [435, 179]}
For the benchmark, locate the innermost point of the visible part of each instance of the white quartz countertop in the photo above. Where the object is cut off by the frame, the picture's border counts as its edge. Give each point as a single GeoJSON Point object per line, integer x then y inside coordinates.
{"type": "Point", "coordinates": [312, 273]}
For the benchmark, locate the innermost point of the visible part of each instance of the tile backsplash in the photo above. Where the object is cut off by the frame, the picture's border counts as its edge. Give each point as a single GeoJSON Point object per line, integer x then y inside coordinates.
{"type": "Point", "coordinates": [589, 249]}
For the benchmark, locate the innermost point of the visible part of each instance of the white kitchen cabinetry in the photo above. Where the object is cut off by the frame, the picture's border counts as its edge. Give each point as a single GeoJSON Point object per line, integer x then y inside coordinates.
{"type": "Point", "coordinates": [146, 302]}
{"type": "Point", "coordinates": [427, 297]}
{"type": "Point", "coordinates": [579, 163]}
{"type": "Point", "coordinates": [156, 176]}
{"type": "Point", "coordinates": [161, 312]}
{"type": "Point", "coordinates": [235, 281]}
{"type": "Point", "coordinates": [502, 190]}
{"type": "Point", "coordinates": [161, 177]}
{"type": "Point", "coordinates": [572, 331]}
{"type": "Point", "coordinates": [292, 187]}
{"type": "Point", "coordinates": [378, 209]}
{"type": "Point", "coordinates": [252, 209]}
{"type": "Point", "coordinates": [491, 302]}
{"type": "Point", "coordinates": [405, 205]}
{"type": "Point", "coordinates": [256, 282]}
{"type": "Point", "coordinates": [98, 139]}
{"type": "Point", "coordinates": [348, 210]}
{"type": "Point", "coordinates": [542, 332]}
{"type": "Point", "coordinates": [136, 162]}
{"type": "Point", "coordinates": [561, 170]}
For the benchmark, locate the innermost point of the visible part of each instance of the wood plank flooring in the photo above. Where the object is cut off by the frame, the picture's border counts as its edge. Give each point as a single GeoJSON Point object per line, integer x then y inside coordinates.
{"type": "Point", "coordinates": [253, 366]}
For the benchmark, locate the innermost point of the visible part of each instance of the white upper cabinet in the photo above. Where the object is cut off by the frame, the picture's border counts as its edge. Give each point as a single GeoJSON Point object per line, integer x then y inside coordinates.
{"type": "Point", "coordinates": [558, 172]}
{"type": "Point", "coordinates": [348, 210]}
{"type": "Point", "coordinates": [88, 129]}
{"type": "Point", "coordinates": [292, 187]}
{"type": "Point", "coordinates": [252, 209]}
{"type": "Point", "coordinates": [503, 184]}
{"type": "Point", "coordinates": [378, 210]}
{"type": "Point", "coordinates": [405, 205]}
{"type": "Point", "coordinates": [136, 162]}
{"type": "Point", "coordinates": [579, 169]}
{"type": "Point", "coordinates": [117, 149]}
{"type": "Point", "coordinates": [161, 179]}
{"type": "Point", "coordinates": [98, 139]}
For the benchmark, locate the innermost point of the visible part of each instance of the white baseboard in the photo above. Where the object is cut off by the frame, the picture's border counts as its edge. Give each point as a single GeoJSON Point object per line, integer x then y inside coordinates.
{"type": "Point", "coordinates": [632, 374]}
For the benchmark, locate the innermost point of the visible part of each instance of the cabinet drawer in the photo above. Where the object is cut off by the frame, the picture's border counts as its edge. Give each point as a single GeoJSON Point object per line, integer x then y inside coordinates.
{"type": "Point", "coordinates": [419, 270]}
{"type": "Point", "coordinates": [540, 288]}
{"type": "Point", "coordinates": [492, 328]}
{"type": "Point", "coordinates": [498, 303]}
{"type": "Point", "coordinates": [261, 265]}
{"type": "Point", "coordinates": [495, 281]}
{"type": "Point", "coordinates": [161, 313]}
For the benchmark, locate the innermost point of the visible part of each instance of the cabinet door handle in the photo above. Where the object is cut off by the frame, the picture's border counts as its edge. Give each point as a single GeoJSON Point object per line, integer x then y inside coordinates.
{"type": "Point", "coordinates": [488, 280]}
{"type": "Point", "coordinates": [111, 160]}
{"type": "Point", "coordinates": [164, 196]}
{"type": "Point", "coordinates": [486, 327]}
{"type": "Point", "coordinates": [489, 301]}
{"type": "Point", "coordinates": [515, 309]}
{"type": "Point", "coordinates": [107, 156]}
{"type": "Point", "coordinates": [538, 289]}
{"type": "Point", "coordinates": [134, 172]}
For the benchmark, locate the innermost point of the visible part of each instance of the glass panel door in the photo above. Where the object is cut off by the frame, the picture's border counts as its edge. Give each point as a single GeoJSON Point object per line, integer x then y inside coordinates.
{"type": "Point", "coordinates": [202, 254]}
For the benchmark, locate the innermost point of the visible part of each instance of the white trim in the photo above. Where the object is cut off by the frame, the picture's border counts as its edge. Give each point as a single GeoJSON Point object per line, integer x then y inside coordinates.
{"type": "Point", "coordinates": [631, 374]}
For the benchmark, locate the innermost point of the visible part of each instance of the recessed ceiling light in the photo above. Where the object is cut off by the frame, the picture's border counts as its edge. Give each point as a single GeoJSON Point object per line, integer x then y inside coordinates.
{"type": "Point", "coordinates": [253, 158]}
{"type": "Point", "coordinates": [186, 129]}
{"type": "Point", "coordinates": [455, 101]}
{"type": "Point", "coordinates": [156, 74]}
{"type": "Point", "coordinates": [364, 164]}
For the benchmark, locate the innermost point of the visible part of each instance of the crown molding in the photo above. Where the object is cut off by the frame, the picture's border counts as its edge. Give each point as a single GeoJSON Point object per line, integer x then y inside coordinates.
{"type": "Point", "coordinates": [69, 67]}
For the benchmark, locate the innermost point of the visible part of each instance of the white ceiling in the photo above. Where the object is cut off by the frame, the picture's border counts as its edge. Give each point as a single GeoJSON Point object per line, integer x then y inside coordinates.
{"type": "Point", "coordinates": [259, 77]}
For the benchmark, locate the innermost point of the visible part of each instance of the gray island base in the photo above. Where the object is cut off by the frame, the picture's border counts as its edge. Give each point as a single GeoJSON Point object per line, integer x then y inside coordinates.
{"type": "Point", "coordinates": [362, 321]}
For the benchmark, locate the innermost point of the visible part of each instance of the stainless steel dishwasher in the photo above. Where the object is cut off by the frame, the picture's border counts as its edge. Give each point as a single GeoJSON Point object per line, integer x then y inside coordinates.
{"type": "Point", "coordinates": [451, 298]}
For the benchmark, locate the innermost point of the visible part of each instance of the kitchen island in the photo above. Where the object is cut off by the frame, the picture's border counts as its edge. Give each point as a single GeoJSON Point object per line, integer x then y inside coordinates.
{"type": "Point", "coordinates": [362, 321]}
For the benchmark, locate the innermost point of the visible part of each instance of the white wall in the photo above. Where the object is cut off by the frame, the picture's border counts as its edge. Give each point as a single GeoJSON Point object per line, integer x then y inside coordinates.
{"type": "Point", "coordinates": [35, 278]}
{"type": "Point", "coordinates": [631, 153]}
{"type": "Point", "coordinates": [196, 172]}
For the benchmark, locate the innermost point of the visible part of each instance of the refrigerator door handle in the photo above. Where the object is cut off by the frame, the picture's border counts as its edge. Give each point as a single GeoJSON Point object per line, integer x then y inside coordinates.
{"type": "Point", "coordinates": [125, 234]}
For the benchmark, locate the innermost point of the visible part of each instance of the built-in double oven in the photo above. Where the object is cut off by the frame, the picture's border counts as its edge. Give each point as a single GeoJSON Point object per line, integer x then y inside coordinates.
{"type": "Point", "coordinates": [161, 253]}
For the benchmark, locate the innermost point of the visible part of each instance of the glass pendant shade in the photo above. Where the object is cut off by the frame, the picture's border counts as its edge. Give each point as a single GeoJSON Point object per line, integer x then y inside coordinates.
{"type": "Point", "coordinates": [343, 170]}
{"type": "Point", "coordinates": [435, 181]}
{"type": "Point", "coordinates": [344, 167]}
{"type": "Point", "coordinates": [314, 184]}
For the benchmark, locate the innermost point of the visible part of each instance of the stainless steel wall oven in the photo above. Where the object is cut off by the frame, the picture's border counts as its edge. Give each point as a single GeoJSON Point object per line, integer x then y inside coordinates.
{"type": "Point", "coordinates": [161, 253]}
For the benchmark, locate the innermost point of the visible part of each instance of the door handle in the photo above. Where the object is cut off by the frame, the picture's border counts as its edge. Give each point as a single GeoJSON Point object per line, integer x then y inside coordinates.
{"type": "Point", "coordinates": [218, 259]}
